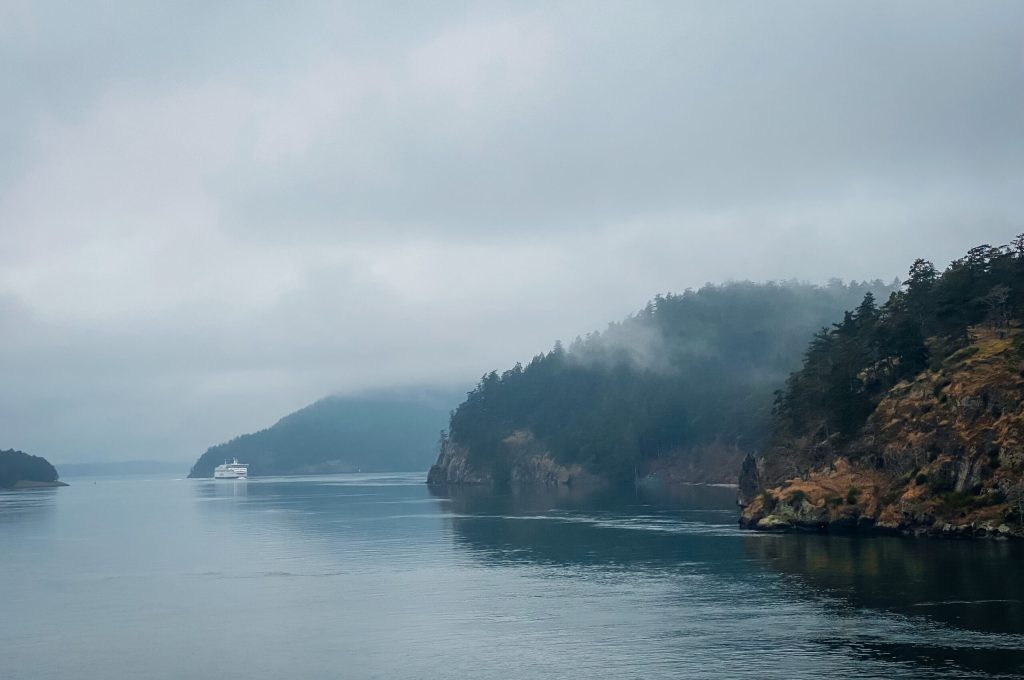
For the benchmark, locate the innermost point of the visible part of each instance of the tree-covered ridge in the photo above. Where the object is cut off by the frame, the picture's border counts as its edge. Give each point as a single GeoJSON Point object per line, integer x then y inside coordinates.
{"type": "Point", "coordinates": [688, 371]}
{"type": "Point", "coordinates": [341, 434]}
{"type": "Point", "coordinates": [848, 367]}
{"type": "Point", "coordinates": [18, 466]}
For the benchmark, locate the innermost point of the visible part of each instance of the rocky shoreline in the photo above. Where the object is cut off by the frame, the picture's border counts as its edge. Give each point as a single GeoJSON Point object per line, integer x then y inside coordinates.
{"type": "Point", "coordinates": [782, 523]}
{"type": "Point", "coordinates": [847, 498]}
{"type": "Point", "coordinates": [22, 484]}
{"type": "Point", "coordinates": [942, 455]}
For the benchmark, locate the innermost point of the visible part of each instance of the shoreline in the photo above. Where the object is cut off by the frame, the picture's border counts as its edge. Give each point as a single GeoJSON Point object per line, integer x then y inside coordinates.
{"type": "Point", "coordinates": [23, 484]}
{"type": "Point", "coordinates": [984, 531]}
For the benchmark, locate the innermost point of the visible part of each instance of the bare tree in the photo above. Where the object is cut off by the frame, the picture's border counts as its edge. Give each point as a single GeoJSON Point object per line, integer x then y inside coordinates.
{"type": "Point", "coordinates": [997, 302]}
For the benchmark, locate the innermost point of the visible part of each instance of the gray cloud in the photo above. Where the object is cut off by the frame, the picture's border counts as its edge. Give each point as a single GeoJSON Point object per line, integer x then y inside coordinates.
{"type": "Point", "coordinates": [213, 214]}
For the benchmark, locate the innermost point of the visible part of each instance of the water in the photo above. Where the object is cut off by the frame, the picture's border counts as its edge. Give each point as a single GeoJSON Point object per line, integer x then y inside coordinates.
{"type": "Point", "coordinates": [371, 576]}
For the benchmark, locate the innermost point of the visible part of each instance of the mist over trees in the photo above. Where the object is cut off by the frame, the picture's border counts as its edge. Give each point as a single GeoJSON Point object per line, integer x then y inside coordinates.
{"type": "Point", "coordinates": [16, 466]}
{"type": "Point", "coordinates": [850, 365]}
{"type": "Point", "coordinates": [691, 370]}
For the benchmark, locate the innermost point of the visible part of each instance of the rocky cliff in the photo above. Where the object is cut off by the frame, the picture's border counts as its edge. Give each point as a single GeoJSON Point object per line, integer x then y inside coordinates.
{"type": "Point", "coordinates": [453, 467]}
{"type": "Point", "coordinates": [941, 454]}
{"type": "Point", "coordinates": [525, 462]}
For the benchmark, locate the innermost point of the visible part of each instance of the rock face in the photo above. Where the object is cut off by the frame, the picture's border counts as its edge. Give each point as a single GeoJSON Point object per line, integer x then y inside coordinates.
{"type": "Point", "coordinates": [749, 482]}
{"type": "Point", "coordinates": [522, 463]}
{"type": "Point", "coordinates": [453, 468]}
{"type": "Point", "coordinates": [942, 454]}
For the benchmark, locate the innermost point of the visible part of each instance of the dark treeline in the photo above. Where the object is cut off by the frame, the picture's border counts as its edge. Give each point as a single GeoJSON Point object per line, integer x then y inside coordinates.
{"type": "Point", "coordinates": [17, 466]}
{"type": "Point", "coordinates": [687, 371]}
{"type": "Point", "coordinates": [848, 367]}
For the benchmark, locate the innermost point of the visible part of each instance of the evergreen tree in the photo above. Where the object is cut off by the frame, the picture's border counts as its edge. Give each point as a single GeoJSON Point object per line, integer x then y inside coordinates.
{"type": "Point", "coordinates": [846, 369]}
{"type": "Point", "coordinates": [686, 371]}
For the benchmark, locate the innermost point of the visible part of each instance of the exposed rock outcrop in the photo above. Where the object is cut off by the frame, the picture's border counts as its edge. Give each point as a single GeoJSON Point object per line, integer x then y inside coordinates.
{"type": "Point", "coordinates": [454, 468]}
{"type": "Point", "coordinates": [749, 482]}
{"type": "Point", "coordinates": [522, 462]}
{"type": "Point", "coordinates": [942, 454]}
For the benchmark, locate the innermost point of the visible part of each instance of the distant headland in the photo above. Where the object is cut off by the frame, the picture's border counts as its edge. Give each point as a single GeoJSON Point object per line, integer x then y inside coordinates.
{"type": "Point", "coordinates": [385, 432]}
{"type": "Point", "coordinates": [19, 470]}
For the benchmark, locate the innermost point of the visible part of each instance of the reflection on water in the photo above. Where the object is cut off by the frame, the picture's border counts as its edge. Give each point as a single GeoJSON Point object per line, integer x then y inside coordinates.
{"type": "Point", "coordinates": [977, 585]}
{"type": "Point", "coordinates": [573, 526]}
{"type": "Point", "coordinates": [931, 597]}
{"type": "Point", "coordinates": [353, 515]}
{"type": "Point", "coordinates": [229, 488]}
{"type": "Point", "coordinates": [373, 576]}
{"type": "Point", "coordinates": [26, 504]}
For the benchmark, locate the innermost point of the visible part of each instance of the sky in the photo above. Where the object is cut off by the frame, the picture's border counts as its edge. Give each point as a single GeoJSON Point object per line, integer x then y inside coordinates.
{"type": "Point", "coordinates": [212, 214]}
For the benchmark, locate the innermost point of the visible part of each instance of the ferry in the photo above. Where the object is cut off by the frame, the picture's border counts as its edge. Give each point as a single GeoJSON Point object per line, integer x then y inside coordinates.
{"type": "Point", "coordinates": [232, 470]}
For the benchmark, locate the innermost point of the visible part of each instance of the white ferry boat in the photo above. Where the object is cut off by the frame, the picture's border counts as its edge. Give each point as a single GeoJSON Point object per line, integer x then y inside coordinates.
{"type": "Point", "coordinates": [232, 470]}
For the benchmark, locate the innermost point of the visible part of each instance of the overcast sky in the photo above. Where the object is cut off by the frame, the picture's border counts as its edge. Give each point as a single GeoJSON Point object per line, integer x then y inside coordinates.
{"type": "Point", "coordinates": [213, 213]}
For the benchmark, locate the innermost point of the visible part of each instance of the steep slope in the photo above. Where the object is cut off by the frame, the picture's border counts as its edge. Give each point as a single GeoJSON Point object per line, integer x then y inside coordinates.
{"type": "Point", "coordinates": [680, 391]}
{"type": "Point", "coordinates": [342, 434]}
{"type": "Point", "coordinates": [942, 453]}
{"type": "Point", "coordinates": [908, 417]}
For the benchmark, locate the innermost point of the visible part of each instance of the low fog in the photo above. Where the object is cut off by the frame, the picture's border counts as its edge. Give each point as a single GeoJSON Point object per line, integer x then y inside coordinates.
{"type": "Point", "coordinates": [211, 216]}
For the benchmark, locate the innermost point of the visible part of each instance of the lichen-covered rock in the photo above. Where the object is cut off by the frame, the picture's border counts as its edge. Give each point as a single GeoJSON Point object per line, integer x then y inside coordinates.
{"type": "Point", "coordinates": [773, 523]}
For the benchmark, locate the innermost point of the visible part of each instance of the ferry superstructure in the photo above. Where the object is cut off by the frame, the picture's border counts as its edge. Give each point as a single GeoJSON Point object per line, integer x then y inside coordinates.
{"type": "Point", "coordinates": [232, 470]}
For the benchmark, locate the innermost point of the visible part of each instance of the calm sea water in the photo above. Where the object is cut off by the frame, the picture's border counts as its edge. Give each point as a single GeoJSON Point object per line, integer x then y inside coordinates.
{"type": "Point", "coordinates": [371, 576]}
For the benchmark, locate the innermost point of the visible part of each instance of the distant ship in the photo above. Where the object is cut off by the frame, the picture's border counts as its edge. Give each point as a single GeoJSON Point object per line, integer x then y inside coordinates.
{"type": "Point", "coordinates": [232, 470]}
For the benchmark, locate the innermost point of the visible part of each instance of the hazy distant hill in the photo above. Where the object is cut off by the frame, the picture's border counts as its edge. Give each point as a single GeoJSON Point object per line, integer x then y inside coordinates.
{"type": "Point", "coordinates": [120, 468]}
{"type": "Point", "coordinates": [18, 468]}
{"type": "Point", "coordinates": [381, 433]}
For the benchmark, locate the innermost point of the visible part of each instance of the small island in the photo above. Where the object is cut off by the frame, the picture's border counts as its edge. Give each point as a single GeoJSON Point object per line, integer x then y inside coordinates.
{"type": "Point", "coordinates": [19, 470]}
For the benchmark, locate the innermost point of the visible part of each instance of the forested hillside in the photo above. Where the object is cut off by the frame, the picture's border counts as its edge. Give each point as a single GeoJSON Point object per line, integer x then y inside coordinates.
{"type": "Point", "coordinates": [18, 466]}
{"type": "Point", "coordinates": [909, 414]}
{"type": "Point", "coordinates": [387, 433]}
{"type": "Point", "coordinates": [684, 385]}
